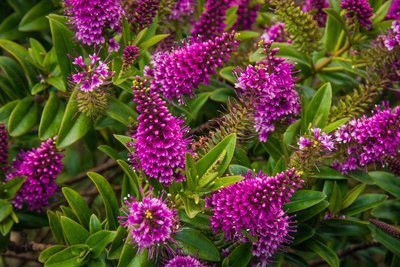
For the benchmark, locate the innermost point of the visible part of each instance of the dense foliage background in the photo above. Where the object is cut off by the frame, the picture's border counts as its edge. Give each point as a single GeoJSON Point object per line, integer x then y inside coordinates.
{"type": "Point", "coordinates": [238, 132]}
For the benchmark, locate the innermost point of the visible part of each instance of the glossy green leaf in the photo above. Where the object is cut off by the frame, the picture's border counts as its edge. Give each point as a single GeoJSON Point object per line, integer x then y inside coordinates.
{"type": "Point", "coordinates": [74, 232]}
{"type": "Point", "coordinates": [5, 111]}
{"type": "Point", "coordinates": [55, 227]}
{"type": "Point", "coordinates": [153, 41]}
{"type": "Point", "coordinates": [99, 241]}
{"type": "Point", "coordinates": [240, 256]}
{"type": "Point", "coordinates": [304, 199]}
{"type": "Point", "coordinates": [5, 209]}
{"type": "Point", "coordinates": [64, 43]}
{"type": "Point", "coordinates": [23, 117]}
{"type": "Point", "coordinates": [21, 55]}
{"type": "Point", "coordinates": [387, 181]}
{"type": "Point", "coordinates": [34, 19]}
{"type": "Point", "coordinates": [78, 206]}
{"type": "Point", "coordinates": [218, 159]}
{"type": "Point", "coordinates": [328, 173]}
{"type": "Point", "coordinates": [132, 183]}
{"type": "Point", "coordinates": [363, 203]}
{"type": "Point", "coordinates": [352, 195]}
{"type": "Point", "coordinates": [335, 201]}
{"type": "Point", "coordinates": [120, 111]}
{"type": "Point", "coordinates": [303, 233]}
{"type": "Point", "coordinates": [318, 109]}
{"type": "Point", "coordinates": [48, 252]}
{"type": "Point", "coordinates": [197, 244]}
{"type": "Point", "coordinates": [72, 256]}
{"type": "Point", "coordinates": [109, 199]}
{"type": "Point", "coordinates": [127, 254]}
{"type": "Point", "coordinates": [323, 251]}
{"type": "Point", "coordinates": [74, 125]}
{"type": "Point", "coordinates": [227, 74]}
{"type": "Point", "coordinates": [51, 117]}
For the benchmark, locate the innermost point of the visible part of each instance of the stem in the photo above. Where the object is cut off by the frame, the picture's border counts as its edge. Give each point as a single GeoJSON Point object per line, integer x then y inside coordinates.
{"type": "Point", "coordinates": [101, 168]}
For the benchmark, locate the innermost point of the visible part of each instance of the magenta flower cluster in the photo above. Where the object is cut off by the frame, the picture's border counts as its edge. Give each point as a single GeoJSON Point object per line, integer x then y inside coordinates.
{"type": "Point", "coordinates": [95, 21]}
{"type": "Point", "coordinates": [269, 86]}
{"type": "Point", "coordinates": [246, 15]}
{"type": "Point", "coordinates": [212, 20]}
{"type": "Point", "coordinates": [360, 10]}
{"type": "Point", "coordinates": [315, 7]}
{"type": "Point", "coordinates": [182, 9]}
{"type": "Point", "coordinates": [368, 140]}
{"type": "Point", "coordinates": [184, 261]}
{"type": "Point", "coordinates": [149, 222]}
{"type": "Point", "coordinates": [3, 148]}
{"type": "Point", "coordinates": [324, 139]}
{"type": "Point", "coordinates": [276, 33]}
{"type": "Point", "coordinates": [92, 75]}
{"type": "Point", "coordinates": [394, 11]}
{"type": "Point", "coordinates": [178, 72]}
{"type": "Point", "coordinates": [255, 205]}
{"type": "Point", "coordinates": [392, 39]}
{"type": "Point", "coordinates": [40, 166]}
{"type": "Point", "coordinates": [159, 143]}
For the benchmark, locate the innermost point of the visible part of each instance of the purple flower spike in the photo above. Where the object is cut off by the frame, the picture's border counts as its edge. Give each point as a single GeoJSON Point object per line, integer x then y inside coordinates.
{"type": "Point", "coordinates": [255, 205]}
{"type": "Point", "coordinates": [316, 8]}
{"type": "Point", "coordinates": [149, 222]}
{"type": "Point", "coordinates": [182, 9]}
{"type": "Point", "coordinates": [95, 21]}
{"type": "Point", "coordinates": [160, 143]}
{"type": "Point", "coordinates": [130, 54]}
{"type": "Point", "coordinates": [211, 23]}
{"type": "Point", "coordinates": [184, 261]}
{"type": "Point", "coordinates": [142, 13]}
{"type": "Point", "coordinates": [394, 11]}
{"type": "Point", "coordinates": [178, 72]}
{"type": "Point", "coordinates": [41, 166]}
{"type": "Point", "coordinates": [269, 86]}
{"type": "Point", "coordinates": [3, 148]}
{"type": "Point", "coordinates": [369, 140]}
{"type": "Point", "coordinates": [247, 15]}
{"type": "Point", "coordinates": [92, 75]}
{"type": "Point", "coordinates": [361, 10]}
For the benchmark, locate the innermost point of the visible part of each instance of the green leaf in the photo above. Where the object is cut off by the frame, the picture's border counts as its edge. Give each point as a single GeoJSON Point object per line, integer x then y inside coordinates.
{"type": "Point", "coordinates": [72, 256]}
{"type": "Point", "coordinates": [195, 105]}
{"type": "Point", "coordinates": [15, 75]}
{"type": "Point", "coordinates": [334, 27]}
{"type": "Point", "coordinates": [6, 225]}
{"type": "Point", "coordinates": [304, 199]}
{"type": "Point", "coordinates": [381, 13]}
{"type": "Point", "coordinates": [78, 206]}
{"type": "Point", "coordinates": [328, 173]}
{"type": "Point", "coordinates": [387, 181]}
{"type": "Point", "coordinates": [306, 214]}
{"type": "Point", "coordinates": [11, 187]}
{"type": "Point", "coordinates": [153, 41]}
{"type": "Point", "coordinates": [117, 244]}
{"type": "Point", "coordinates": [74, 232]}
{"type": "Point", "coordinates": [51, 117]}
{"type": "Point", "coordinates": [38, 88]}
{"type": "Point", "coordinates": [192, 208]}
{"type": "Point", "coordinates": [225, 181]}
{"type": "Point", "coordinates": [99, 241]}
{"type": "Point", "coordinates": [227, 74]}
{"type": "Point", "coordinates": [218, 159]}
{"type": "Point", "coordinates": [334, 125]}
{"type": "Point", "coordinates": [127, 254]}
{"type": "Point", "coordinates": [352, 195]}
{"type": "Point", "coordinates": [74, 125]}
{"type": "Point", "coordinates": [364, 202]}
{"type": "Point", "coordinates": [5, 111]}
{"type": "Point", "coordinates": [34, 19]}
{"type": "Point", "coordinates": [274, 148]}
{"type": "Point", "coordinates": [124, 140]}
{"type": "Point", "coordinates": [37, 52]}
{"type": "Point", "coordinates": [64, 43]}
{"type": "Point", "coordinates": [303, 233]}
{"type": "Point", "coordinates": [57, 82]}
{"type": "Point", "coordinates": [94, 224]}
{"type": "Point", "coordinates": [120, 111]}
{"type": "Point", "coordinates": [335, 202]}
{"type": "Point", "coordinates": [197, 244]}
{"type": "Point", "coordinates": [21, 55]}
{"type": "Point", "coordinates": [235, 169]}
{"type": "Point", "coordinates": [240, 256]}
{"type": "Point", "coordinates": [132, 183]}
{"type": "Point", "coordinates": [388, 210]}
{"type": "Point", "coordinates": [231, 17]}
{"type": "Point", "coordinates": [55, 227]}
{"type": "Point", "coordinates": [324, 251]}
{"type": "Point", "coordinates": [23, 118]}
{"type": "Point", "coordinates": [390, 242]}
{"type": "Point", "coordinates": [9, 27]}
{"type": "Point", "coordinates": [109, 199]}
{"type": "Point", "coordinates": [318, 109]}
{"type": "Point", "coordinates": [5, 209]}
{"type": "Point", "coordinates": [48, 252]}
